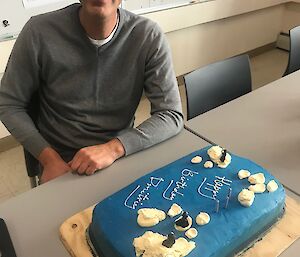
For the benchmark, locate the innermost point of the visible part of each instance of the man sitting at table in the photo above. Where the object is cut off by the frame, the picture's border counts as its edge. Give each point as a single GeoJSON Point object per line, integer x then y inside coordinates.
{"type": "Point", "coordinates": [90, 64]}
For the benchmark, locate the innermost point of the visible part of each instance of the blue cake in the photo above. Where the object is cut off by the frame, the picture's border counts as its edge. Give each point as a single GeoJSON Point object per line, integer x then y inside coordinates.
{"type": "Point", "coordinates": [232, 227]}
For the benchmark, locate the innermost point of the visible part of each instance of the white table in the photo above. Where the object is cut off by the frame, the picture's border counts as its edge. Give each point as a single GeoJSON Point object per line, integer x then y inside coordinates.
{"type": "Point", "coordinates": [34, 218]}
{"type": "Point", "coordinates": [263, 126]}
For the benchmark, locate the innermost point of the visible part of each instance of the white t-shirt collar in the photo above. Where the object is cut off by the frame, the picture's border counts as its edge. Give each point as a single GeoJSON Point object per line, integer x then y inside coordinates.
{"type": "Point", "coordinates": [101, 42]}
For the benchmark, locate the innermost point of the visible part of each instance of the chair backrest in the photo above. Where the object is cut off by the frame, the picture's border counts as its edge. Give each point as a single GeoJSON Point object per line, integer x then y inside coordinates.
{"type": "Point", "coordinates": [32, 164]}
{"type": "Point", "coordinates": [216, 84]}
{"type": "Point", "coordinates": [294, 54]}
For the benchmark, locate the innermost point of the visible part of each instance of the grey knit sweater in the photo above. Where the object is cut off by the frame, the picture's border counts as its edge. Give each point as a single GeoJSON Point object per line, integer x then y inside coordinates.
{"type": "Point", "coordinates": [89, 95]}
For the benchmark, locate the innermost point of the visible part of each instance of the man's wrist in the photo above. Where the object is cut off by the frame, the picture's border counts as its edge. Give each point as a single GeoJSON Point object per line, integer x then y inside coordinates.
{"type": "Point", "coordinates": [117, 148]}
{"type": "Point", "coordinates": [48, 155]}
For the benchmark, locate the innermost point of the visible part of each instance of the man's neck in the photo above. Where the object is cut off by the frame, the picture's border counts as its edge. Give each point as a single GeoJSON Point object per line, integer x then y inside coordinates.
{"type": "Point", "coordinates": [96, 27]}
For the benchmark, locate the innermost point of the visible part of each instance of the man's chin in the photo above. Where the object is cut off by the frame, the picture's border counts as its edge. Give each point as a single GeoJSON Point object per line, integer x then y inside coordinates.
{"type": "Point", "coordinates": [100, 8]}
{"type": "Point", "coordinates": [100, 3]}
{"type": "Point", "coordinates": [99, 11]}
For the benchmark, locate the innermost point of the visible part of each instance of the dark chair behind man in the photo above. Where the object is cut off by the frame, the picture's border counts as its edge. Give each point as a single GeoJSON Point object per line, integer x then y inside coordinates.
{"type": "Point", "coordinates": [294, 54]}
{"type": "Point", "coordinates": [32, 164]}
{"type": "Point", "coordinates": [216, 84]}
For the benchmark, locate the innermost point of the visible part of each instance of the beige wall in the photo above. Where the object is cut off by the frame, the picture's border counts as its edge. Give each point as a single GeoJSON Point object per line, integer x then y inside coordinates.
{"type": "Point", "coordinates": [292, 16]}
{"type": "Point", "coordinates": [203, 33]}
{"type": "Point", "coordinates": [200, 13]}
{"type": "Point", "coordinates": [5, 49]}
{"type": "Point", "coordinates": [202, 44]}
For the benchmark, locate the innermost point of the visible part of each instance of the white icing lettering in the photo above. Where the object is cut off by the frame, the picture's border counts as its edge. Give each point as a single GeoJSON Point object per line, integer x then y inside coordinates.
{"type": "Point", "coordinates": [212, 190]}
{"type": "Point", "coordinates": [181, 184]}
{"type": "Point", "coordinates": [224, 180]}
{"type": "Point", "coordinates": [155, 181]}
{"type": "Point", "coordinates": [201, 193]}
{"type": "Point", "coordinates": [143, 195]}
{"type": "Point", "coordinates": [187, 172]}
{"type": "Point", "coordinates": [172, 195]}
{"type": "Point", "coordinates": [127, 199]}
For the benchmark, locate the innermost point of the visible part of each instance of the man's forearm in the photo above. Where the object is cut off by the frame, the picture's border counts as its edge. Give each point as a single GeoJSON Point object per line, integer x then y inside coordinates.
{"type": "Point", "coordinates": [117, 148]}
{"type": "Point", "coordinates": [48, 155]}
{"type": "Point", "coordinates": [159, 127]}
{"type": "Point", "coordinates": [96, 157]}
{"type": "Point", "coordinates": [53, 165]}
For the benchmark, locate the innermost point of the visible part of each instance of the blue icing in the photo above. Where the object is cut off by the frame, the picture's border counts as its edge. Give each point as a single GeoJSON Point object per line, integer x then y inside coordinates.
{"type": "Point", "coordinates": [114, 224]}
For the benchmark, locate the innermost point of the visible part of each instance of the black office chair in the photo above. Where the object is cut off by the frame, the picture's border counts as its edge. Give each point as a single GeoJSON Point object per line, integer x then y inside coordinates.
{"type": "Point", "coordinates": [32, 164]}
{"type": "Point", "coordinates": [294, 54]}
{"type": "Point", "coordinates": [217, 84]}
{"type": "Point", "coordinates": [32, 167]}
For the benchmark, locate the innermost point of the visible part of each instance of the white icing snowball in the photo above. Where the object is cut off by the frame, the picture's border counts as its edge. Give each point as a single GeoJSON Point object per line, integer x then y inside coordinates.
{"type": "Point", "coordinates": [196, 159]}
{"type": "Point", "coordinates": [174, 210]}
{"type": "Point", "coordinates": [148, 217]}
{"type": "Point", "coordinates": [150, 245]}
{"type": "Point", "coordinates": [257, 188]}
{"type": "Point", "coordinates": [246, 197]}
{"type": "Point", "coordinates": [244, 174]}
{"type": "Point", "coordinates": [215, 153]}
{"type": "Point", "coordinates": [226, 162]}
{"type": "Point", "coordinates": [258, 178]}
{"type": "Point", "coordinates": [272, 186]}
{"type": "Point", "coordinates": [191, 233]}
{"type": "Point", "coordinates": [181, 229]}
{"type": "Point", "coordinates": [202, 218]}
{"type": "Point", "coordinates": [208, 164]}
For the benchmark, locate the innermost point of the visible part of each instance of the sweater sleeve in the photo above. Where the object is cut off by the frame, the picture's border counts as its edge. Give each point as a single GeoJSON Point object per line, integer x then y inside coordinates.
{"type": "Point", "coordinates": [161, 89]}
{"type": "Point", "coordinates": [20, 80]}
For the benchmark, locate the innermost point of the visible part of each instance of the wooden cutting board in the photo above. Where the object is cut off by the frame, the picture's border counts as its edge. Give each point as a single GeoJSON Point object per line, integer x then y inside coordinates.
{"type": "Point", "coordinates": [280, 237]}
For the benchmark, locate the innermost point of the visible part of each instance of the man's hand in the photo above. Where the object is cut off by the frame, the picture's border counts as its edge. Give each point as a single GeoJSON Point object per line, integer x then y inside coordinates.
{"type": "Point", "coordinates": [89, 159]}
{"type": "Point", "coordinates": [53, 165]}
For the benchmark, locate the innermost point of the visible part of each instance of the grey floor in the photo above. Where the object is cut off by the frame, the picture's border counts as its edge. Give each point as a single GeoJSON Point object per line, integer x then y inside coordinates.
{"type": "Point", "coordinates": [265, 68]}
